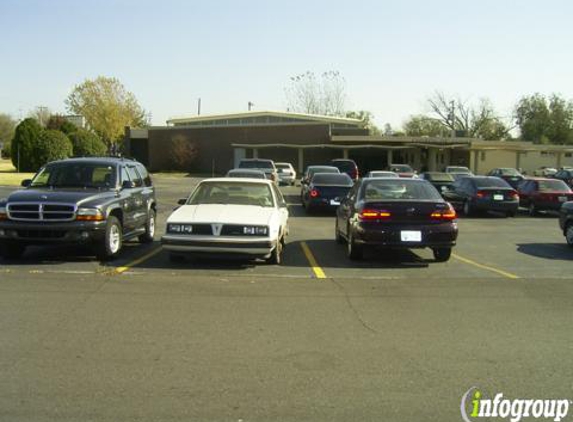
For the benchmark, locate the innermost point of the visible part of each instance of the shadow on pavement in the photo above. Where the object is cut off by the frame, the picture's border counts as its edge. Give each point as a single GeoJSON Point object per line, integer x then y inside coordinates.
{"type": "Point", "coordinates": [554, 251]}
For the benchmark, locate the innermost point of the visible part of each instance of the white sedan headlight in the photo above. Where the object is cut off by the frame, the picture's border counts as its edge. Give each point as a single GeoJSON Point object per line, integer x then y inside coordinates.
{"type": "Point", "coordinates": [256, 230]}
{"type": "Point", "coordinates": [177, 228]}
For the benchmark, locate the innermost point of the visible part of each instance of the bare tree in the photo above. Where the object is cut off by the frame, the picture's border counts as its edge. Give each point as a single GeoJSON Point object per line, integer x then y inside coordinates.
{"type": "Point", "coordinates": [324, 94]}
{"type": "Point", "coordinates": [475, 121]}
{"type": "Point", "coordinates": [41, 114]}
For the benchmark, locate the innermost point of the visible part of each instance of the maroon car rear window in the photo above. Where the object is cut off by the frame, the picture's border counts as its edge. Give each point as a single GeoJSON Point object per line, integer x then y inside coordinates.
{"type": "Point", "coordinates": [552, 185]}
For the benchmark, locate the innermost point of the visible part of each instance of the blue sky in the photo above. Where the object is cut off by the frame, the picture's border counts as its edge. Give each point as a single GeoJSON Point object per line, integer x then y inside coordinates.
{"type": "Point", "coordinates": [393, 55]}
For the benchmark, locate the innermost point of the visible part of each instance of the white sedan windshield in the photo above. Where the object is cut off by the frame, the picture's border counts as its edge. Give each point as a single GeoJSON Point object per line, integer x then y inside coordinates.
{"type": "Point", "coordinates": [233, 194]}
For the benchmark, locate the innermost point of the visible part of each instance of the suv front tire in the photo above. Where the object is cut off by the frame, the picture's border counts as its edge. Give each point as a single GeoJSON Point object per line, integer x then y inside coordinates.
{"type": "Point", "coordinates": [111, 244]}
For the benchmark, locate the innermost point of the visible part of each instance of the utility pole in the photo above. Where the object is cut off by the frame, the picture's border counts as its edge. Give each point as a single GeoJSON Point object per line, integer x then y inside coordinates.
{"type": "Point", "coordinates": [250, 105]}
{"type": "Point", "coordinates": [199, 107]}
{"type": "Point", "coordinates": [41, 110]}
{"type": "Point", "coordinates": [453, 117]}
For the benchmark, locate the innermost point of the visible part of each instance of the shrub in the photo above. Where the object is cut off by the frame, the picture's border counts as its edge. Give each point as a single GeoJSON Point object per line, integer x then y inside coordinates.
{"type": "Point", "coordinates": [86, 144]}
{"type": "Point", "coordinates": [53, 145]}
{"type": "Point", "coordinates": [25, 144]}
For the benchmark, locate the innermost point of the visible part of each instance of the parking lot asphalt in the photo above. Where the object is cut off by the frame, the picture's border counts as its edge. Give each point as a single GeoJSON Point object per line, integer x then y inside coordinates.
{"type": "Point", "coordinates": [393, 337]}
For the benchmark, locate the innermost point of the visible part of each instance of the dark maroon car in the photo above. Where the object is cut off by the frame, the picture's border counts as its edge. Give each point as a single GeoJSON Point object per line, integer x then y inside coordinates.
{"type": "Point", "coordinates": [537, 194]}
{"type": "Point", "coordinates": [396, 213]}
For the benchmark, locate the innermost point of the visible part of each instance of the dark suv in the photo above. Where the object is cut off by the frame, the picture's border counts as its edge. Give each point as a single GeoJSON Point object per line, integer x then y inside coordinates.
{"type": "Point", "coordinates": [94, 201]}
{"type": "Point", "coordinates": [346, 166]}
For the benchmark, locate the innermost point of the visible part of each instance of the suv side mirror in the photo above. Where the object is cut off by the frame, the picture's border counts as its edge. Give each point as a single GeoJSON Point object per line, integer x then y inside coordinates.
{"type": "Point", "coordinates": [127, 184]}
{"type": "Point", "coordinates": [26, 183]}
{"type": "Point", "coordinates": [182, 201]}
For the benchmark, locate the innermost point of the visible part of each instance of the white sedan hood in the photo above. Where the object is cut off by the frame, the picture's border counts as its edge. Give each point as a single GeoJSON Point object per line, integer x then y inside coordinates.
{"type": "Point", "coordinates": [223, 213]}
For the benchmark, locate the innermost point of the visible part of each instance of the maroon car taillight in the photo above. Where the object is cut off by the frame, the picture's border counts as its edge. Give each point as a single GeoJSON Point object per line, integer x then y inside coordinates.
{"type": "Point", "coordinates": [514, 195]}
{"type": "Point", "coordinates": [447, 214]}
{"type": "Point", "coordinates": [354, 174]}
{"type": "Point", "coordinates": [314, 193]}
{"type": "Point", "coordinates": [368, 214]}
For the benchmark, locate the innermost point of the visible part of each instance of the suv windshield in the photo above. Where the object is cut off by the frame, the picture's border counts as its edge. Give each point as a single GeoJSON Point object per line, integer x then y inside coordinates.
{"type": "Point", "coordinates": [233, 193]}
{"type": "Point", "coordinates": [75, 175]}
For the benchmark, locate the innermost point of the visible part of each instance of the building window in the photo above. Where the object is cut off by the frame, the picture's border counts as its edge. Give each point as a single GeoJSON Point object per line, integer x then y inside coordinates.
{"type": "Point", "coordinates": [482, 155]}
{"type": "Point", "coordinates": [568, 154]}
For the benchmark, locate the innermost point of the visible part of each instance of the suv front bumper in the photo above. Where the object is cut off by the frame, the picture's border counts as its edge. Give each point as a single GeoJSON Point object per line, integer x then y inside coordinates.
{"type": "Point", "coordinates": [52, 233]}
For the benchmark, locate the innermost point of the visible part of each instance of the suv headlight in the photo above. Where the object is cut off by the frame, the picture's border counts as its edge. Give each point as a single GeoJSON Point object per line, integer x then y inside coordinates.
{"type": "Point", "coordinates": [256, 230]}
{"type": "Point", "coordinates": [177, 228]}
{"type": "Point", "coordinates": [89, 214]}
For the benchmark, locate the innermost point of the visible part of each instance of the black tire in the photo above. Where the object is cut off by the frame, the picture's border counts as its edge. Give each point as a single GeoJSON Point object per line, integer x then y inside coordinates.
{"type": "Point", "coordinates": [442, 254]}
{"type": "Point", "coordinates": [337, 235]}
{"type": "Point", "coordinates": [111, 244]}
{"type": "Point", "coordinates": [276, 257]}
{"type": "Point", "coordinates": [468, 209]}
{"type": "Point", "coordinates": [532, 210]}
{"type": "Point", "coordinates": [569, 234]}
{"type": "Point", "coordinates": [353, 250]}
{"type": "Point", "coordinates": [150, 224]}
{"type": "Point", "coordinates": [12, 250]}
{"type": "Point", "coordinates": [510, 214]}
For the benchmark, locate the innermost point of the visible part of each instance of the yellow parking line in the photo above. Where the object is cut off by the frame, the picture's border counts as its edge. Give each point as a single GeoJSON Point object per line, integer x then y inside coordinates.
{"type": "Point", "coordinates": [137, 261]}
{"type": "Point", "coordinates": [485, 267]}
{"type": "Point", "coordinates": [318, 272]}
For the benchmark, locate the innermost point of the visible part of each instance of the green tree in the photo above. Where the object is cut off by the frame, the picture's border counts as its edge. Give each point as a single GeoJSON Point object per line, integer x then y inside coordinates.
{"type": "Point", "coordinates": [367, 118]}
{"type": "Point", "coordinates": [420, 125]}
{"type": "Point", "coordinates": [545, 120]}
{"type": "Point", "coordinates": [52, 145]}
{"type": "Point", "coordinates": [107, 107]}
{"type": "Point", "coordinates": [7, 128]}
{"type": "Point", "coordinates": [86, 144]}
{"type": "Point", "coordinates": [324, 94]}
{"type": "Point", "coordinates": [25, 143]}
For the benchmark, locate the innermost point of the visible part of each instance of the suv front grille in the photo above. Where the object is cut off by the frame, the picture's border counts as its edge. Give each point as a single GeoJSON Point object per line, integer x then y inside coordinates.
{"type": "Point", "coordinates": [41, 212]}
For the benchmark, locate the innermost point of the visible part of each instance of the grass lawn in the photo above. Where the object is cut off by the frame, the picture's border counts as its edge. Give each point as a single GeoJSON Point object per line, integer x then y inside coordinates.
{"type": "Point", "coordinates": [9, 176]}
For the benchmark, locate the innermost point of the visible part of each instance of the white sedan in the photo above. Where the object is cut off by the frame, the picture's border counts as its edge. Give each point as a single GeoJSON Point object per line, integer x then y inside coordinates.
{"type": "Point", "coordinates": [229, 216]}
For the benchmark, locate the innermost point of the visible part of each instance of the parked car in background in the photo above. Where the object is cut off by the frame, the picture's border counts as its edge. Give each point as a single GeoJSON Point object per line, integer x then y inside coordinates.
{"type": "Point", "coordinates": [510, 175]}
{"type": "Point", "coordinates": [346, 166]}
{"type": "Point", "coordinates": [311, 170]}
{"type": "Point", "coordinates": [246, 173]}
{"type": "Point", "coordinates": [543, 194]}
{"type": "Point", "coordinates": [266, 166]}
{"type": "Point", "coordinates": [566, 221]}
{"type": "Point", "coordinates": [403, 170]}
{"type": "Point", "coordinates": [97, 202]}
{"type": "Point", "coordinates": [286, 172]}
{"type": "Point", "coordinates": [325, 190]}
{"type": "Point", "coordinates": [474, 194]}
{"type": "Point", "coordinates": [244, 218]}
{"type": "Point", "coordinates": [566, 175]}
{"type": "Point", "coordinates": [544, 171]}
{"type": "Point", "coordinates": [441, 181]}
{"type": "Point", "coordinates": [458, 169]}
{"type": "Point", "coordinates": [382, 173]}
{"type": "Point", "coordinates": [396, 213]}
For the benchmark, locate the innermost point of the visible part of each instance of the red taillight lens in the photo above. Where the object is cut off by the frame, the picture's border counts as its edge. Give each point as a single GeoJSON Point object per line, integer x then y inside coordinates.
{"type": "Point", "coordinates": [480, 194]}
{"type": "Point", "coordinates": [370, 214]}
{"type": "Point", "coordinates": [447, 214]}
{"type": "Point", "coordinates": [514, 195]}
{"type": "Point", "coordinates": [314, 193]}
